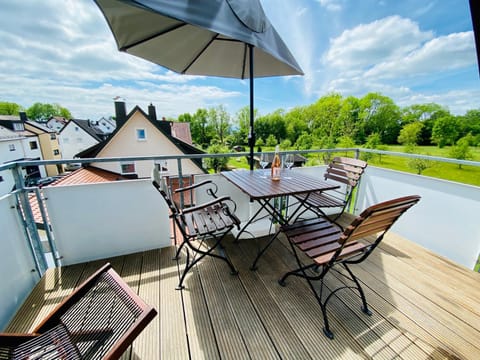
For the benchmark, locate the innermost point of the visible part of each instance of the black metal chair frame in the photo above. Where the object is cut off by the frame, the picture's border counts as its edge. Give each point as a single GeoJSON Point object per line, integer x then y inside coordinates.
{"type": "Point", "coordinates": [342, 170]}
{"type": "Point", "coordinates": [212, 220]}
{"type": "Point", "coordinates": [328, 245]}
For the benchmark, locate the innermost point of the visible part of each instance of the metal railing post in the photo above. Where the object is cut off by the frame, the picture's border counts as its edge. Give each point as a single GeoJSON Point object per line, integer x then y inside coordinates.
{"type": "Point", "coordinates": [32, 233]}
{"type": "Point", "coordinates": [180, 181]}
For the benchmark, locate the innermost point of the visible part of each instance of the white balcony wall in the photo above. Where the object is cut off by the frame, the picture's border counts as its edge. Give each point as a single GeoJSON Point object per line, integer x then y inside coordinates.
{"type": "Point", "coordinates": [17, 266]}
{"type": "Point", "coordinates": [102, 220]}
{"type": "Point", "coordinates": [444, 221]}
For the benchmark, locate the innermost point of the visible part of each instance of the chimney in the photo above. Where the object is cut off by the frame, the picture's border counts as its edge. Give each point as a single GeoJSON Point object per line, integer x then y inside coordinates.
{"type": "Point", "coordinates": [23, 116]}
{"type": "Point", "coordinates": [120, 113]}
{"type": "Point", "coordinates": [152, 114]}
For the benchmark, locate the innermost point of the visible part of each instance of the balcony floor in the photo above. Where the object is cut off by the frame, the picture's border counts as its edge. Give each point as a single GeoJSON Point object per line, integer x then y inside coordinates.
{"type": "Point", "coordinates": [423, 306]}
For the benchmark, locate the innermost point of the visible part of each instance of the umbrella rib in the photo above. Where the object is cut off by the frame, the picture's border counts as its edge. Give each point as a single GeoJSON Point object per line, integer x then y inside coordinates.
{"type": "Point", "coordinates": [199, 54]}
{"type": "Point", "coordinates": [127, 47]}
{"type": "Point", "coordinates": [244, 60]}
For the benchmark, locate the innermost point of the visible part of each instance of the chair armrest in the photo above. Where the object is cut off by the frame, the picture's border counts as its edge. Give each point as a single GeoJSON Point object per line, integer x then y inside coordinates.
{"type": "Point", "coordinates": [193, 186]}
{"type": "Point", "coordinates": [211, 191]}
{"type": "Point", "coordinates": [207, 204]}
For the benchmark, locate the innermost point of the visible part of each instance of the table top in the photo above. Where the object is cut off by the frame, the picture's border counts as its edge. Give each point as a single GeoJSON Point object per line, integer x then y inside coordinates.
{"type": "Point", "coordinates": [258, 186]}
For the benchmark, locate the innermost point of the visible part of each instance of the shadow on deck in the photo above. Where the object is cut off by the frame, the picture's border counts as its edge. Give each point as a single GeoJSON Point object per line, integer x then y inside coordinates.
{"type": "Point", "coordinates": [423, 306]}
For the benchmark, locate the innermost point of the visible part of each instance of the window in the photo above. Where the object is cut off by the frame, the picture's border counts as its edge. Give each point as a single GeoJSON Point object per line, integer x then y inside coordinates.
{"type": "Point", "coordinates": [76, 128]}
{"type": "Point", "coordinates": [18, 127]}
{"type": "Point", "coordinates": [141, 135]}
{"type": "Point", "coordinates": [128, 168]}
{"type": "Point", "coordinates": [33, 145]}
{"type": "Point", "coordinates": [56, 152]}
{"type": "Point", "coordinates": [53, 136]}
{"type": "Point", "coordinates": [11, 147]}
{"type": "Point", "coordinates": [161, 165]}
{"type": "Point", "coordinates": [1, 178]}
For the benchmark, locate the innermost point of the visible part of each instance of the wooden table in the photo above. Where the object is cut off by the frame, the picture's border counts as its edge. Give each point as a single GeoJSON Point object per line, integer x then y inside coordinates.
{"type": "Point", "coordinates": [259, 186]}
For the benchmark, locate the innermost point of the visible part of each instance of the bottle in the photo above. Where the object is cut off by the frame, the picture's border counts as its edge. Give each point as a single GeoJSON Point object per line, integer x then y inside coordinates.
{"type": "Point", "coordinates": [276, 164]}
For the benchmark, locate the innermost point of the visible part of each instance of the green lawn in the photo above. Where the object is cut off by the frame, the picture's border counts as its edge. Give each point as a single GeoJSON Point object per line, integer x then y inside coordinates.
{"type": "Point", "coordinates": [465, 174]}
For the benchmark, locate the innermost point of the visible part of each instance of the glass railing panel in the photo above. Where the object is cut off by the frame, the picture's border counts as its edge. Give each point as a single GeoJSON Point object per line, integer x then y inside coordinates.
{"type": "Point", "coordinates": [17, 261]}
{"type": "Point", "coordinates": [444, 221]}
{"type": "Point", "coordinates": [108, 219]}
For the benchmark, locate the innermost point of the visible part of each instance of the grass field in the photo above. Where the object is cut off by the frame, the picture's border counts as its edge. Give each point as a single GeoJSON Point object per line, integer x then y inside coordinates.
{"type": "Point", "coordinates": [465, 174]}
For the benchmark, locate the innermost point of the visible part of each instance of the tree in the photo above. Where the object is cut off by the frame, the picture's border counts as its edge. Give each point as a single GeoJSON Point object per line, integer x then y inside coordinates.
{"type": "Point", "coordinates": [202, 132]}
{"type": "Point", "coordinates": [296, 123]}
{"type": "Point", "coordinates": [271, 140]}
{"type": "Point", "coordinates": [242, 121]}
{"type": "Point", "coordinates": [9, 108]}
{"type": "Point", "coordinates": [461, 150]}
{"type": "Point", "coordinates": [426, 114]}
{"type": "Point", "coordinates": [445, 131]}
{"type": "Point", "coordinates": [42, 112]}
{"type": "Point", "coordinates": [217, 163]}
{"type": "Point", "coordinates": [410, 133]}
{"type": "Point", "coordinates": [379, 114]}
{"type": "Point", "coordinates": [219, 119]}
{"type": "Point", "coordinates": [324, 115]}
{"type": "Point", "coordinates": [304, 141]}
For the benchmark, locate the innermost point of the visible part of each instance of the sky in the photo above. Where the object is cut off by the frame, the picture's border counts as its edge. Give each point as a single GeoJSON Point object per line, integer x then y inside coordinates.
{"type": "Point", "coordinates": [413, 51]}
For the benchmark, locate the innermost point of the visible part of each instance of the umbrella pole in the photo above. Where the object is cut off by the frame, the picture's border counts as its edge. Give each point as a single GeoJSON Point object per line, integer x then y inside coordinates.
{"type": "Point", "coordinates": [251, 133]}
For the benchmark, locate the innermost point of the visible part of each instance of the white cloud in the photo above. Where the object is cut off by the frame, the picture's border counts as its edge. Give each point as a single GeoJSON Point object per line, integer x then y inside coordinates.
{"type": "Point", "coordinates": [332, 5]}
{"type": "Point", "coordinates": [440, 54]}
{"type": "Point", "coordinates": [368, 44]}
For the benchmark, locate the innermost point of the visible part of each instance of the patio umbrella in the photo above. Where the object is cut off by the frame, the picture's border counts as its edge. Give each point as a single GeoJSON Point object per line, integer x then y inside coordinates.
{"type": "Point", "coordinates": [225, 38]}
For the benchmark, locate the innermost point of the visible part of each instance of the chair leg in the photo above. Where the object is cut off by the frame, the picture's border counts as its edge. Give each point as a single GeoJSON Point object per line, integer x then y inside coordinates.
{"type": "Point", "coordinates": [189, 265]}
{"type": "Point", "coordinates": [259, 255]}
{"type": "Point", "coordinates": [364, 307]}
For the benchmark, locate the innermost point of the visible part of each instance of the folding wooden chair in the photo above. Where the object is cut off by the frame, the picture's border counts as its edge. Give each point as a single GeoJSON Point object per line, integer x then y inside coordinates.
{"type": "Point", "coordinates": [326, 245]}
{"type": "Point", "coordinates": [347, 173]}
{"type": "Point", "coordinates": [99, 320]}
{"type": "Point", "coordinates": [212, 220]}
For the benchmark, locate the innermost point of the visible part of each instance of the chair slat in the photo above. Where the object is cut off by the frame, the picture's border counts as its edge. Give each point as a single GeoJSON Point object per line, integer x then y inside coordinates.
{"type": "Point", "coordinates": [327, 246]}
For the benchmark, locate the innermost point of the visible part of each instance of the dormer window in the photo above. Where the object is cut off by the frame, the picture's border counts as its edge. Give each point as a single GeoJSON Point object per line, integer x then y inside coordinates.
{"type": "Point", "coordinates": [11, 147]}
{"type": "Point", "coordinates": [18, 127]}
{"type": "Point", "coordinates": [141, 134]}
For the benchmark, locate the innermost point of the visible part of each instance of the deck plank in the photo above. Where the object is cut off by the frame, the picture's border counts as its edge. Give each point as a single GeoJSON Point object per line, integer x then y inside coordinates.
{"type": "Point", "coordinates": [147, 343]}
{"type": "Point", "coordinates": [423, 306]}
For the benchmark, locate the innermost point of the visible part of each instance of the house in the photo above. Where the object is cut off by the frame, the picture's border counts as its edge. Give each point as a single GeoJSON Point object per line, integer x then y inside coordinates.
{"type": "Point", "coordinates": [18, 146]}
{"type": "Point", "coordinates": [141, 134]}
{"type": "Point", "coordinates": [76, 136]}
{"type": "Point", "coordinates": [106, 126]}
{"type": "Point", "coordinates": [56, 123]}
{"type": "Point", "coordinates": [47, 138]}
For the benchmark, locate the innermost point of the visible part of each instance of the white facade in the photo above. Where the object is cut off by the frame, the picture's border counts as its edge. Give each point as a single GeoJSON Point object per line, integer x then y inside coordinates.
{"type": "Point", "coordinates": [107, 126]}
{"type": "Point", "coordinates": [139, 137]}
{"type": "Point", "coordinates": [15, 147]}
{"type": "Point", "coordinates": [73, 139]}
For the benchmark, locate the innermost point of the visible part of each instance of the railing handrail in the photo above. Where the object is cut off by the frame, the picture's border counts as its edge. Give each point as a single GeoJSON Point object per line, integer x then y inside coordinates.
{"type": "Point", "coordinates": [14, 164]}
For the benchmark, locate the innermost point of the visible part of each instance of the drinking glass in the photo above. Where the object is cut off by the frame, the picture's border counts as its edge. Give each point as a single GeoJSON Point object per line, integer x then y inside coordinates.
{"type": "Point", "coordinates": [263, 163]}
{"type": "Point", "coordinates": [288, 163]}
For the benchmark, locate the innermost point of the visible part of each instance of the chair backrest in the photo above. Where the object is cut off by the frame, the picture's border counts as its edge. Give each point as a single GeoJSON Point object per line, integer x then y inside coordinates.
{"type": "Point", "coordinates": [345, 170]}
{"type": "Point", "coordinates": [159, 183]}
{"type": "Point", "coordinates": [377, 219]}
{"type": "Point", "coordinates": [103, 316]}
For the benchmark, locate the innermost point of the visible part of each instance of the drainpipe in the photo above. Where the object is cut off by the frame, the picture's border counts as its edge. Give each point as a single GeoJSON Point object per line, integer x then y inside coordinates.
{"type": "Point", "coordinates": [31, 228]}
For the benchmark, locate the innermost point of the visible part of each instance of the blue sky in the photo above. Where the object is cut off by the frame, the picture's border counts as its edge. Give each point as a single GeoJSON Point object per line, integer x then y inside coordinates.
{"type": "Point", "coordinates": [414, 51]}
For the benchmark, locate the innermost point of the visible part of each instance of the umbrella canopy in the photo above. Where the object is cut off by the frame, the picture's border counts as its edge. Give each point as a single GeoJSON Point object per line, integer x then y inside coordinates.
{"type": "Point", "coordinates": [202, 37]}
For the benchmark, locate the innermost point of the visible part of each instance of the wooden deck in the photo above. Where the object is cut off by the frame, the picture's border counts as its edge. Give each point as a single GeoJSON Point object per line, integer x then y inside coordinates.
{"type": "Point", "coordinates": [423, 307]}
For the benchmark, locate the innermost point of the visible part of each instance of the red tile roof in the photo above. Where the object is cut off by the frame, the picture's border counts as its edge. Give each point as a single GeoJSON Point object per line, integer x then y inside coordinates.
{"type": "Point", "coordinates": [89, 175]}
